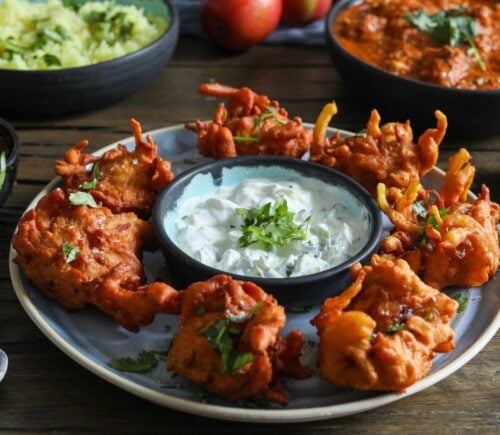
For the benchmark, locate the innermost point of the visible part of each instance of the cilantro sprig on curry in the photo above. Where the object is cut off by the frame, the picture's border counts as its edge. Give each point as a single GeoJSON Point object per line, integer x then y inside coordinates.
{"type": "Point", "coordinates": [453, 46]}
{"type": "Point", "coordinates": [453, 27]}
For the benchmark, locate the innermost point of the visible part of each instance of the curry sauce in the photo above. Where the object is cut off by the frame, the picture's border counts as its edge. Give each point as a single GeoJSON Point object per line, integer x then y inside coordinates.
{"type": "Point", "coordinates": [381, 33]}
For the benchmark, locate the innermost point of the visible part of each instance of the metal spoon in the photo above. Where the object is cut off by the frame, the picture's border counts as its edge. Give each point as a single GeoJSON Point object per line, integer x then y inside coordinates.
{"type": "Point", "coordinates": [4, 363]}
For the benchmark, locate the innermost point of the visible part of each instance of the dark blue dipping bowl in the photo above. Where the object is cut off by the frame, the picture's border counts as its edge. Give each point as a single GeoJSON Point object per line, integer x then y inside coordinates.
{"type": "Point", "coordinates": [67, 90]}
{"type": "Point", "coordinates": [9, 143]}
{"type": "Point", "coordinates": [295, 291]}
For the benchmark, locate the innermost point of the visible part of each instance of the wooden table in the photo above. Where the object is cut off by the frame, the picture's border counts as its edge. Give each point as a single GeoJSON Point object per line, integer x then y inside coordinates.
{"type": "Point", "coordinates": [46, 391]}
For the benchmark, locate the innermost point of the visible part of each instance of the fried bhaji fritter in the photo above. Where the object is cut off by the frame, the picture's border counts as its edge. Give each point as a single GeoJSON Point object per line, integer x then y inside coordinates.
{"type": "Point", "coordinates": [125, 180]}
{"type": "Point", "coordinates": [253, 125]}
{"type": "Point", "coordinates": [228, 341]}
{"type": "Point", "coordinates": [384, 153]}
{"type": "Point", "coordinates": [446, 240]}
{"type": "Point", "coordinates": [458, 178]}
{"type": "Point", "coordinates": [80, 255]}
{"type": "Point", "coordinates": [381, 332]}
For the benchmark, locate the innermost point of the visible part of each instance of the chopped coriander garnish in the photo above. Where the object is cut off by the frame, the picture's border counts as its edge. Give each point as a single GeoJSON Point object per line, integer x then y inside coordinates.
{"type": "Point", "coordinates": [421, 238]}
{"type": "Point", "coordinates": [3, 167]}
{"type": "Point", "coordinates": [143, 363]}
{"type": "Point", "coordinates": [271, 224]}
{"type": "Point", "coordinates": [432, 219]}
{"type": "Point", "coordinates": [125, 27]}
{"type": "Point", "coordinates": [395, 328]}
{"type": "Point", "coordinates": [51, 60]}
{"type": "Point", "coordinates": [70, 252]}
{"type": "Point", "coordinates": [201, 310]}
{"type": "Point", "coordinates": [452, 27]}
{"type": "Point", "coordinates": [462, 300]}
{"type": "Point", "coordinates": [241, 360]}
{"type": "Point", "coordinates": [82, 198]}
{"type": "Point", "coordinates": [71, 4]}
{"type": "Point", "coordinates": [92, 183]}
{"type": "Point", "coordinates": [62, 32]}
{"type": "Point", "coordinates": [269, 113]}
{"type": "Point", "coordinates": [252, 139]}
{"type": "Point", "coordinates": [218, 334]}
{"type": "Point", "coordinates": [95, 17]}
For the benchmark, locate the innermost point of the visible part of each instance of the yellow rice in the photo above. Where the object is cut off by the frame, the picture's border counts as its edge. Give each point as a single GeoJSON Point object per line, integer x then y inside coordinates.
{"type": "Point", "coordinates": [39, 36]}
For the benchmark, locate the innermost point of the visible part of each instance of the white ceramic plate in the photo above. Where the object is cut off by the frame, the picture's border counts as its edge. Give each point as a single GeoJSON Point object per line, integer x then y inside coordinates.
{"type": "Point", "coordinates": [92, 339]}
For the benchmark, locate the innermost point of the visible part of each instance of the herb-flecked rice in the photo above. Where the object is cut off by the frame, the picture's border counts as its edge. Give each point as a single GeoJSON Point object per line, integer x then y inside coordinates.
{"type": "Point", "coordinates": [40, 36]}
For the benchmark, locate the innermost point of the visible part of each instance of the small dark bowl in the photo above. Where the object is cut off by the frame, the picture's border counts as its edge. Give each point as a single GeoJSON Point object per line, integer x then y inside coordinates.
{"type": "Point", "coordinates": [10, 141]}
{"type": "Point", "coordinates": [469, 112]}
{"type": "Point", "coordinates": [294, 291]}
{"type": "Point", "coordinates": [68, 90]}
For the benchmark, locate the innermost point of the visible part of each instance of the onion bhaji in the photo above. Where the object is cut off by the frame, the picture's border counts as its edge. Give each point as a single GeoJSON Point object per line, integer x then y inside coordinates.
{"type": "Point", "coordinates": [383, 154]}
{"type": "Point", "coordinates": [253, 125]}
{"type": "Point", "coordinates": [121, 180]}
{"type": "Point", "coordinates": [447, 240]}
{"type": "Point", "coordinates": [228, 342]}
{"type": "Point", "coordinates": [81, 255]}
{"type": "Point", "coordinates": [382, 332]}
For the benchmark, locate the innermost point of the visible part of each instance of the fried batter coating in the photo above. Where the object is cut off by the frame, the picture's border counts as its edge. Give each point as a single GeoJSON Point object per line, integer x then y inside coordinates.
{"type": "Point", "coordinates": [126, 180]}
{"type": "Point", "coordinates": [381, 332]}
{"type": "Point", "coordinates": [466, 251]}
{"type": "Point", "coordinates": [255, 125]}
{"type": "Point", "coordinates": [228, 342]}
{"type": "Point", "coordinates": [106, 270]}
{"type": "Point", "coordinates": [384, 153]}
{"type": "Point", "coordinates": [447, 241]}
{"type": "Point", "coordinates": [458, 178]}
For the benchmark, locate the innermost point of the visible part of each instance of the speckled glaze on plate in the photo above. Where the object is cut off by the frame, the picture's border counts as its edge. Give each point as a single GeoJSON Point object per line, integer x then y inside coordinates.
{"type": "Point", "coordinates": [91, 338]}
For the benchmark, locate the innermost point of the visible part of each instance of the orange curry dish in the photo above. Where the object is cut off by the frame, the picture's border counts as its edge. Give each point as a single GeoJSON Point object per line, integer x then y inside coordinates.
{"type": "Point", "coordinates": [452, 43]}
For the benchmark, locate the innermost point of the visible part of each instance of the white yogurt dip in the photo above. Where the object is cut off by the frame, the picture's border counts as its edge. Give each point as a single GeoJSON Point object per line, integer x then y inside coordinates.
{"type": "Point", "coordinates": [334, 224]}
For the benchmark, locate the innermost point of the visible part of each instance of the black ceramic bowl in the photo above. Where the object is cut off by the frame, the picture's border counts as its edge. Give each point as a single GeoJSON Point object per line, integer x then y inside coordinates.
{"type": "Point", "coordinates": [9, 144]}
{"type": "Point", "coordinates": [293, 291]}
{"type": "Point", "coordinates": [469, 112]}
{"type": "Point", "coordinates": [67, 90]}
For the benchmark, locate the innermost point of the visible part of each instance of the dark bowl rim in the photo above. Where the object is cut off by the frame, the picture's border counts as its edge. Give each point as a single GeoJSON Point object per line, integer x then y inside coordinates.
{"type": "Point", "coordinates": [295, 164]}
{"type": "Point", "coordinates": [171, 29]}
{"type": "Point", "coordinates": [338, 7]}
{"type": "Point", "coordinates": [15, 149]}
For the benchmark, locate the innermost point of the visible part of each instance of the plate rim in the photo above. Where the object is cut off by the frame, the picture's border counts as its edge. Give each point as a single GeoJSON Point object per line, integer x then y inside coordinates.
{"type": "Point", "coordinates": [219, 411]}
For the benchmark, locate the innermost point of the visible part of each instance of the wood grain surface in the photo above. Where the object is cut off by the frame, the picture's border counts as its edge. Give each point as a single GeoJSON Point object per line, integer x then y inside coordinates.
{"type": "Point", "coordinates": [45, 391]}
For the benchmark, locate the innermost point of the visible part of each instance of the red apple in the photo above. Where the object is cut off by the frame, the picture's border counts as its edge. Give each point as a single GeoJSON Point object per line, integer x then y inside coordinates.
{"type": "Point", "coordinates": [239, 24]}
{"type": "Point", "coordinates": [302, 12]}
